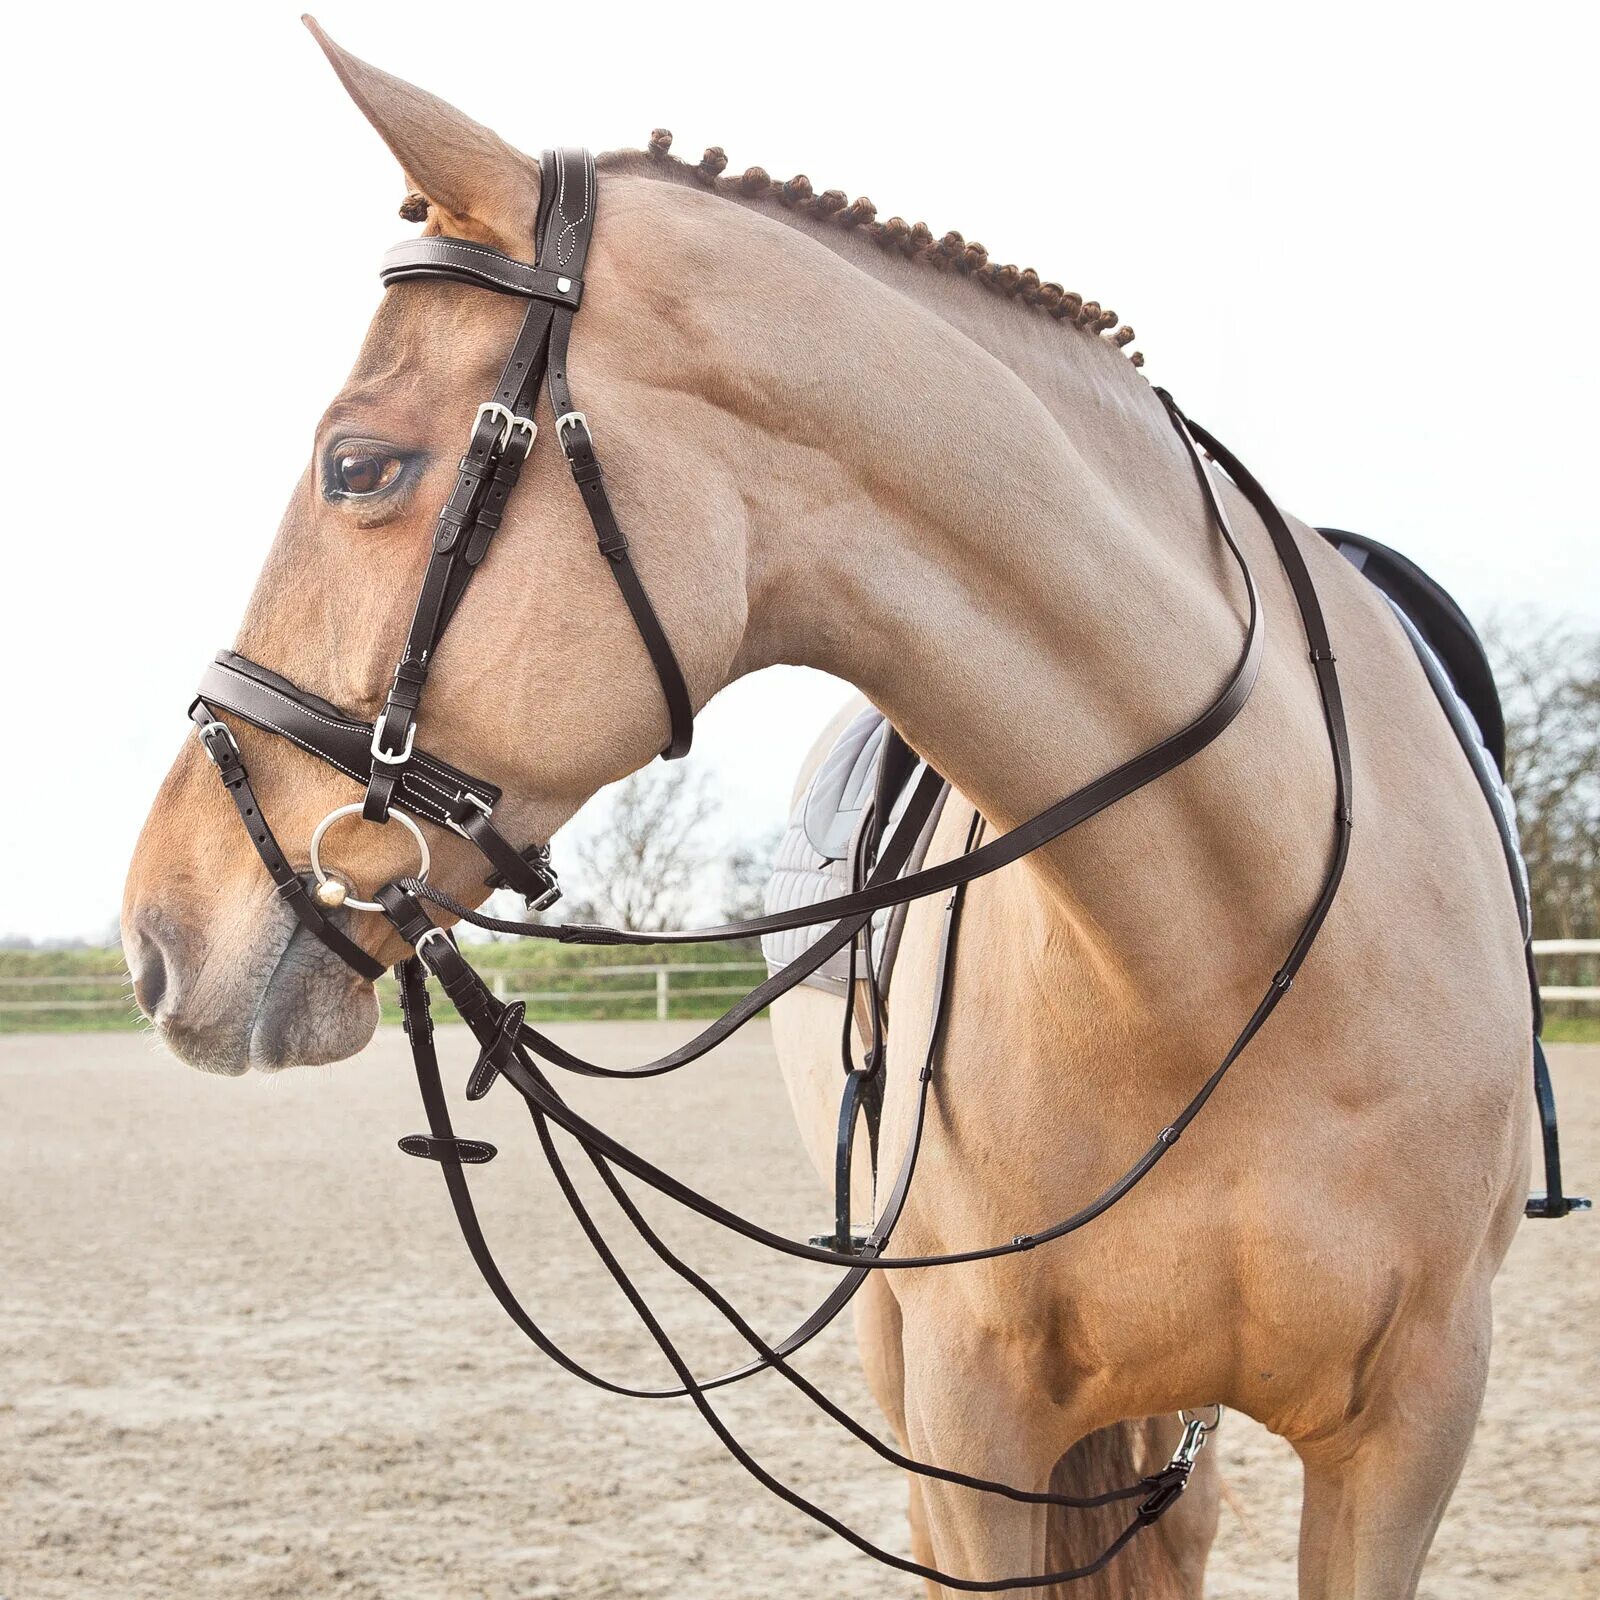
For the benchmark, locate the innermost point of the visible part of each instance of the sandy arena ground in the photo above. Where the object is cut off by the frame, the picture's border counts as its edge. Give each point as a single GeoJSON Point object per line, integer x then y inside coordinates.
{"type": "Point", "coordinates": [247, 1356]}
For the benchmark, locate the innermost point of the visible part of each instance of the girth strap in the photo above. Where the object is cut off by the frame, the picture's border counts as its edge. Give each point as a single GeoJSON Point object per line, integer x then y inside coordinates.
{"type": "Point", "coordinates": [1555, 1202]}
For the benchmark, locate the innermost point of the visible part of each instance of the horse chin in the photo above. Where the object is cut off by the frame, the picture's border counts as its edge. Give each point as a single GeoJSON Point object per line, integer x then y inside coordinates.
{"type": "Point", "coordinates": [313, 1010]}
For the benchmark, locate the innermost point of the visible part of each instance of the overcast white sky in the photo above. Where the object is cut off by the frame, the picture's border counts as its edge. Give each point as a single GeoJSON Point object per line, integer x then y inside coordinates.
{"type": "Point", "coordinates": [1356, 242]}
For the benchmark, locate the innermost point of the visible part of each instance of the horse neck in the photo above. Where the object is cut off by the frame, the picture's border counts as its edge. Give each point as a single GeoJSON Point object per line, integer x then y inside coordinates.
{"type": "Point", "coordinates": [1010, 555]}
{"type": "Point", "coordinates": [1028, 641]}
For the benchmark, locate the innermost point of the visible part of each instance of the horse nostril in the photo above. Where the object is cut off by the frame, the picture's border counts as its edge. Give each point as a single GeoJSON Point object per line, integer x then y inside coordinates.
{"type": "Point", "coordinates": [149, 976]}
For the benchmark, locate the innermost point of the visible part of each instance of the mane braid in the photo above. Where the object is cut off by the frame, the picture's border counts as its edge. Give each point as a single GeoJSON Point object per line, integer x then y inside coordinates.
{"type": "Point", "coordinates": [913, 240]}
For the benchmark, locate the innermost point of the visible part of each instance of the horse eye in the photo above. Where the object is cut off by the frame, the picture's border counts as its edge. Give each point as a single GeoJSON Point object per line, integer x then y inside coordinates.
{"type": "Point", "coordinates": [359, 473]}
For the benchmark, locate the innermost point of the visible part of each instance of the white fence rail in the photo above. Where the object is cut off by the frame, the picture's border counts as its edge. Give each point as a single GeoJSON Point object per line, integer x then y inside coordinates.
{"type": "Point", "coordinates": [502, 981]}
{"type": "Point", "coordinates": [655, 982]}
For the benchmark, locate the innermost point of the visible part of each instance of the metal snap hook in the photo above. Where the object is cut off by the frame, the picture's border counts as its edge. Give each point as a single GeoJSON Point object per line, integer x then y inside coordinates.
{"type": "Point", "coordinates": [355, 810]}
{"type": "Point", "coordinates": [1186, 1416]}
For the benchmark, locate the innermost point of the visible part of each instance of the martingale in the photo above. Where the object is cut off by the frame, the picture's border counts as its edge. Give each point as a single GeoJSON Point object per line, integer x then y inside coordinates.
{"type": "Point", "coordinates": [404, 782]}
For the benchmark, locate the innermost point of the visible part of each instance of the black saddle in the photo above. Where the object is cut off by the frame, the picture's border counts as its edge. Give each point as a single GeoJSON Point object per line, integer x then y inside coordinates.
{"type": "Point", "coordinates": [1440, 621]}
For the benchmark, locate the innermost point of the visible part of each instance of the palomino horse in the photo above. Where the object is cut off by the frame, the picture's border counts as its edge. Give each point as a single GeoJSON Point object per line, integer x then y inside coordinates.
{"type": "Point", "coordinates": [830, 447]}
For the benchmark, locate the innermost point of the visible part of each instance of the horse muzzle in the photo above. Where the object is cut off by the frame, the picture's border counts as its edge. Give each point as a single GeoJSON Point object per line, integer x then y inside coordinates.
{"type": "Point", "coordinates": [252, 991]}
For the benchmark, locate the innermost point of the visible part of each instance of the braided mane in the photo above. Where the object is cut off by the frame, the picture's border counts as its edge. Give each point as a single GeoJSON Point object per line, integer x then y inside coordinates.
{"type": "Point", "coordinates": [915, 240]}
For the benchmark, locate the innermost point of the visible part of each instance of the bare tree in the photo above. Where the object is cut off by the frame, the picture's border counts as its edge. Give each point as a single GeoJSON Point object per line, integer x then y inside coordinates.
{"type": "Point", "coordinates": [644, 866]}
{"type": "Point", "coordinates": [745, 875]}
{"type": "Point", "coordinates": [1549, 677]}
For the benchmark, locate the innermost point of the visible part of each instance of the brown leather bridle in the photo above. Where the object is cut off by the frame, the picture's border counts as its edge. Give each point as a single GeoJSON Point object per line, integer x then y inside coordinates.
{"type": "Point", "coordinates": [403, 781]}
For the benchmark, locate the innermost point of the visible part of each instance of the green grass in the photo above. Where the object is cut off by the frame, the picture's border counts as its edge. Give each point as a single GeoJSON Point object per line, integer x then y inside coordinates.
{"type": "Point", "coordinates": [1572, 1030]}
{"type": "Point", "coordinates": [98, 980]}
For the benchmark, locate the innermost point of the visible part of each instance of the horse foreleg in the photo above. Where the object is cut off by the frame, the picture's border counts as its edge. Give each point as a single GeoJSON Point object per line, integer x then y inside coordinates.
{"type": "Point", "coordinates": [1377, 1485]}
{"type": "Point", "coordinates": [878, 1335]}
{"type": "Point", "coordinates": [967, 1407]}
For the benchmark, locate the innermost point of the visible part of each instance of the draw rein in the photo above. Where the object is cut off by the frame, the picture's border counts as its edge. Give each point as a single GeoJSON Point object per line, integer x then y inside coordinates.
{"type": "Point", "coordinates": [402, 781]}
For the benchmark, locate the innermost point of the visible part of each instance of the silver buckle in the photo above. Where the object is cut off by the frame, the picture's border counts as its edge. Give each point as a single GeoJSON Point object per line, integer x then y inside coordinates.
{"type": "Point", "coordinates": [530, 427]}
{"type": "Point", "coordinates": [508, 420]}
{"type": "Point", "coordinates": [509, 423]}
{"type": "Point", "coordinates": [388, 758]}
{"type": "Point", "coordinates": [562, 422]}
{"type": "Point", "coordinates": [432, 933]}
{"type": "Point", "coordinates": [223, 728]}
{"type": "Point", "coordinates": [471, 799]}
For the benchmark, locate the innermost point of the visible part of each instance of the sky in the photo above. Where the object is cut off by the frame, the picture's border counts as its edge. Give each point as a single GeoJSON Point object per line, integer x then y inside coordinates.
{"type": "Point", "coordinates": [1357, 243]}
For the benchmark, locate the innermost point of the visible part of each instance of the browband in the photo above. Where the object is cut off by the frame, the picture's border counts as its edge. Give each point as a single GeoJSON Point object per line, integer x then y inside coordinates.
{"type": "Point", "coordinates": [466, 262]}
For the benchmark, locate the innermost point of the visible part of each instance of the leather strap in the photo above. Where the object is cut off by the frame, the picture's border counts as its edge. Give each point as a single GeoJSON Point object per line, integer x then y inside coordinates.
{"type": "Point", "coordinates": [530, 1084]}
{"type": "Point", "coordinates": [428, 788]}
{"type": "Point", "coordinates": [1155, 1492]}
{"type": "Point", "coordinates": [569, 188]}
{"type": "Point", "coordinates": [577, 444]}
{"type": "Point", "coordinates": [528, 871]}
{"type": "Point", "coordinates": [502, 435]}
{"type": "Point", "coordinates": [218, 742]}
{"type": "Point", "coordinates": [464, 261]}
{"type": "Point", "coordinates": [473, 1151]}
{"type": "Point", "coordinates": [453, 971]}
{"type": "Point", "coordinates": [1554, 1202]}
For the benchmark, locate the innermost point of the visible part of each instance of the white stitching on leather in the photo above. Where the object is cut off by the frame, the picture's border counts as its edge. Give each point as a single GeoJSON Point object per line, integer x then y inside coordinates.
{"type": "Point", "coordinates": [295, 739]}
{"type": "Point", "coordinates": [482, 274]}
{"type": "Point", "coordinates": [348, 726]}
{"type": "Point", "coordinates": [467, 244]}
{"type": "Point", "coordinates": [570, 226]}
{"type": "Point", "coordinates": [278, 694]}
{"type": "Point", "coordinates": [447, 794]}
{"type": "Point", "coordinates": [444, 250]}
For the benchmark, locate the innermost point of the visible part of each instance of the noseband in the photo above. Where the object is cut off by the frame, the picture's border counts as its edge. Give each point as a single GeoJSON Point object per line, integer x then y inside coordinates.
{"type": "Point", "coordinates": [405, 782]}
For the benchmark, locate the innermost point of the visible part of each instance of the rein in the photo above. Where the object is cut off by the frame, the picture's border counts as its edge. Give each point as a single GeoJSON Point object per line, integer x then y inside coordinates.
{"type": "Point", "coordinates": [404, 782]}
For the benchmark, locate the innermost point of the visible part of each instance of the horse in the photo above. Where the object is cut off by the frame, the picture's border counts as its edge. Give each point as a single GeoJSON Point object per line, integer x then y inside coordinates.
{"type": "Point", "coordinates": [850, 444]}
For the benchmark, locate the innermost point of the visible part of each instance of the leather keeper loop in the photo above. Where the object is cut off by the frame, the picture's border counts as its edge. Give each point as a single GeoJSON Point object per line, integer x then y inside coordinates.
{"type": "Point", "coordinates": [469, 1152]}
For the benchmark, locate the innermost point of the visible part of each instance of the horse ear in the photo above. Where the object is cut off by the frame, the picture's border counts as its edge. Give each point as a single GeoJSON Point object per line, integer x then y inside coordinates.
{"type": "Point", "coordinates": [474, 182]}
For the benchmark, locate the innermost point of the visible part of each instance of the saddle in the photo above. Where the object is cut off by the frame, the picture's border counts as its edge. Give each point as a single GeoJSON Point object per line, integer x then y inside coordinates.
{"type": "Point", "coordinates": [821, 852]}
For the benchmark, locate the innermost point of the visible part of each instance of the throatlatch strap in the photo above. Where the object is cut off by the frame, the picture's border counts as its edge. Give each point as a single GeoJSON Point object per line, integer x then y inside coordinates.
{"type": "Point", "coordinates": [566, 227]}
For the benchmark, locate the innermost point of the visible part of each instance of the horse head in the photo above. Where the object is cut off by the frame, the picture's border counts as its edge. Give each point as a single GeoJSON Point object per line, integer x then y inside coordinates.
{"type": "Point", "coordinates": [542, 682]}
